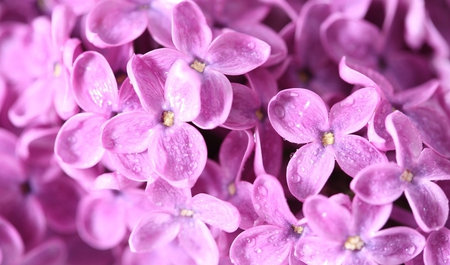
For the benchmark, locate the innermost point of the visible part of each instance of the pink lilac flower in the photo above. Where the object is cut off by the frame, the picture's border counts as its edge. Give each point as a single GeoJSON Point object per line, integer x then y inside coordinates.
{"type": "Point", "coordinates": [274, 240]}
{"type": "Point", "coordinates": [300, 116]}
{"type": "Point", "coordinates": [231, 53]}
{"type": "Point", "coordinates": [183, 218]}
{"type": "Point", "coordinates": [176, 150]}
{"type": "Point", "coordinates": [413, 174]}
{"type": "Point", "coordinates": [353, 236]}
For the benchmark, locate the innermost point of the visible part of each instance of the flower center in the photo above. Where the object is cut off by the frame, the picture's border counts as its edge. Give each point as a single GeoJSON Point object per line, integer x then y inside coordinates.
{"type": "Point", "coordinates": [232, 189]}
{"type": "Point", "coordinates": [353, 243]}
{"type": "Point", "coordinates": [407, 176]}
{"type": "Point", "coordinates": [305, 75]}
{"type": "Point", "coordinates": [57, 69]}
{"type": "Point", "coordinates": [327, 139]}
{"type": "Point", "coordinates": [259, 115]}
{"type": "Point", "coordinates": [297, 229]}
{"type": "Point", "coordinates": [168, 118]}
{"type": "Point", "coordinates": [198, 66]}
{"type": "Point", "coordinates": [186, 213]}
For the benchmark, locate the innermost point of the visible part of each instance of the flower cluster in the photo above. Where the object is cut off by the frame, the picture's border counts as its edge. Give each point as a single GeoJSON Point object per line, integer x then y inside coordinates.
{"type": "Point", "coordinates": [224, 132]}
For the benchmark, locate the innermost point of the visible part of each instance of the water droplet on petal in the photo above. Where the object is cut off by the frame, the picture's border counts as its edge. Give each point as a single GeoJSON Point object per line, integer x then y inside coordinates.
{"type": "Point", "coordinates": [295, 178]}
{"type": "Point", "coordinates": [251, 242]}
{"type": "Point", "coordinates": [410, 250]}
{"type": "Point", "coordinates": [257, 206]}
{"type": "Point", "coordinates": [279, 111]}
{"type": "Point", "coordinates": [262, 190]}
{"type": "Point", "coordinates": [258, 250]}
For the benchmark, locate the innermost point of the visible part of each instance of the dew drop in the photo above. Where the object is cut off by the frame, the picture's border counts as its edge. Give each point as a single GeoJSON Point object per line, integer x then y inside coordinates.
{"type": "Point", "coordinates": [295, 178]}
{"type": "Point", "coordinates": [293, 94]}
{"type": "Point", "coordinates": [262, 190]}
{"type": "Point", "coordinates": [257, 206]}
{"type": "Point", "coordinates": [251, 45]}
{"type": "Point", "coordinates": [137, 169]}
{"type": "Point", "coordinates": [410, 250]}
{"type": "Point", "coordinates": [258, 250]}
{"type": "Point", "coordinates": [251, 242]}
{"type": "Point", "coordinates": [279, 111]}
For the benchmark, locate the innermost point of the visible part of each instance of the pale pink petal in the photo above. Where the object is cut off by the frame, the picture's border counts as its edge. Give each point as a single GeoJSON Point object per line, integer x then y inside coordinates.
{"type": "Point", "coordinates": [327, 219]}
{"type": "Point", "coordinates": [178, 154]}
{"type": "Point", "coordinates": [415, 26]}
{"type": "Point", "coordinates": [182, 91]}
{"type": "Point", "coordinates": [159, 22]}
{"type": "Point", "coordinates": [437, 247]}
{"type": "Point", "coordinates": [404, 244]}
{"type": "Point", "coordinates": [316, 250]}
{"type": "Point", "coordinates": [234, 151]}
{"type": "Point", "coordinates": [78, 143]}
{"type": "Point", "coordinates": [63, 21]}
{"type": "Point", "coordinates": [94, 84]}
{"type": "Point", "coordinates": [64, 100]}
{"type": "Point", "coordinates": [134, 166]}
{"type": "Point", "coordinates": [309, 169]}
{"type": "Point", "coordinates": [379, 183]}
{"type": "Point", "coordinates": [190, 32]}
{"type": "Point", "coordinates": [369, 218]}
{"type": "Point", "coordinates": [270, 203]}
{"type": "Point", "coordinates": [113, 181]}
{"type": "Point", "coordinates": [234, 53]}
{"type": "Point", "coordinates": [215, 212]}
{"type": "Point", "coordinates": [354, 112]}
{"type": "Point", "coordinates": [162, 194]}
{"type": "Point", "coordinates": [113, 23]}
{"type": "Point", "coordinates": [268, 150]}
{"type": "Point", "coordinates": [51, 252]}
{"type": "Point", "coordinates": [376, 129]}
{"type": "Point", "coordinates": [431, 166]}
{"type": "Point", "coordinates": [156, 229]}
{"type": "Point", "coordinates": [128, 132]}
{"type": "Point", "coordinates": [298, 115]}
{"type": "Point", "coordinates": [196, 239]}
{"type": "Point", "coordinates": [11, 244]}
{"type": "Point", "coordinates": [429, 205]}
{"type": "Point", "coordinates": [264, 244]}
{"type": "Point", "coordinates": [354, 153]}
{"type": "Point", "coordinates": [243, 110]}
{"type": "Point", "coordinates": [216, 97]}
{"type": "Point", "coordinates": [146, 84]}
{"type": "Point", "coordinates": [101, 220]}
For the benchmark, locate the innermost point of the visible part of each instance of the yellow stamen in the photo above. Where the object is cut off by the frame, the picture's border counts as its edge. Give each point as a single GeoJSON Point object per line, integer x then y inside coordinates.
{"type": "Point", "coordinates": [327, 139]}
{"type": "Point", "coordinates": [407, 176]}
{"type": "Point", "coordinates": [259, 115]}
{"type": "Point", "coordinates": [232, 189]}
{"type": "Point", "coordinates": [353, 243]}
{"type": "Point", "coordinates": [198, 66]}
{"type": "Point", "coordinates": [186, 213]}
{"type": "Point", "coordinates": [298, 229]}
{"type": "Point", "coordinates": [168, 118]}
{"type": "Point", "coordinates": [57, 70]}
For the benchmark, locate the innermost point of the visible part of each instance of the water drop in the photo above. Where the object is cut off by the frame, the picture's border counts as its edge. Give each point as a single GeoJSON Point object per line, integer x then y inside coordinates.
{"type": "Point", "coordinates": [257, 206]}
{"type": "Point", "coordinates": [410, 250]}
{"type": "Point", "coordinates": [258, 250]}
{"type": "Point", "coordinates": [279, 111]}
{"type": "Point", "coordinates": [293, 94]}
{"type": "Point", "coordinates": [251, 242]}
{"type": "Point", "coordinates": [348, 102]}
{"type": "Point", "coordinates": [262, 190]}
{"type": "Point", "coordinates": [251, 45]}
{"type": "Point", "coordinates": [295, 178]}
{"type": "Point", "coordinates": [137, 169]}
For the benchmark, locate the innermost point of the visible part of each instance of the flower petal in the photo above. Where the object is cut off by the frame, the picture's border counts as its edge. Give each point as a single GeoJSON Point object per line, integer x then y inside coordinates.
{"type": "Point", "coordinates": [78, 143]}
{"type": "Point", "coordinates": [12, 246]}
{"type": "Point", "coordinates": [243, 109]}
{"type": "Point", "coordinates": [156, 229]}
{"type": "Point", "coordinates": [234, 53]}
{"type": "Point", "coordinates": [270, 203]}
{"type": "Point", "coordinates": [369, 218]}
{"type": "Point", "coordinates": [354, 112]}
{"type": "Point", "coordinates": [268, 150]}
{"type": "Point", "coordinates": [316, 250]}
{"type": "Point", "coordinates": [264, 244]}
{"type": "Point", "coordinates": [242, 200]}
{"type": "Point", "coordinates": [178, 154]}
{"type": "Point", "coordinates": [216, 212]}
{"type": "Point", "coordinates": [309, 169]}
{"type": "Point", "coordinates": [113, 23]}
{"type": "Point", "coordinates": [432, 166]}
{"type": "Point", "coordinates": [162, 194]}
{"type": "Point", "coordinates": [52, 252]}
{"type": "Point", "coordinates": [395, 245]}
{"type": "Point", "coordinates": [437, 247]}
{"type": "Point", "coordinates": [216, 97]}
{"type": "Point", "coordinates": [128, 132]}
{"type": "Point", "coordinates": [379, 183]}
{"type": "Point", "coordinates": [190, 32]}
{"type": "Point", "coordinates": [376, 129]}
{"type": "Point", "coordinates": [94, 84]}
{"type": "Point", "coordinates": [353, 153]}
{"type": "Point", "coordinates": [429, 205]}
{"type": "Point", "coordinates": [134, 166]}
{"type": "Point", "coordinates": [234, 151]}
{"type": "Point", "coordinates": [298, 115]}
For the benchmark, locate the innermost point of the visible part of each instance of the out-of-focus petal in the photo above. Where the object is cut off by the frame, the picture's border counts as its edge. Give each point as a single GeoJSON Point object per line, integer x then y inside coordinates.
{"type": "Point", "coordinates": [309, 169]}
{"type": "Point", "coordinates": [298, 115]}
{"type": "Point", "coordinates": [11, 245]}
{"type": "Point", "coordinates": [113, 23]}
{"type": "Point", "coordinates": [51, 252]}
{"type": "Point", "coordinates": [63, 21]}
{"type": "Point", "coordinates": [234, 53]}
{"type": "Point", "coordinates": [128, 99]}
{"type": "Point", "coordinates": [159, 22]}
{"type": "Point", "coordinates": [243, 110]}
{"type": "Point", "coordinates": [112, 181]}
{"type": "Point", "coordinates": [379, 183]}
{"type": "Point", "coordinates": [414, 96]}
{"type": "Point", "coordinates": [78, 143]}
{"type": "Point", "coordinates": [196, 239]}
{"type": "Point", "coordinates": [94, 84]}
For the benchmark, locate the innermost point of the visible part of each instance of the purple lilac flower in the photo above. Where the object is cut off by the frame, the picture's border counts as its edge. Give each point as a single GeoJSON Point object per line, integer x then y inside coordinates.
{"type": "Point", "coordinates": [300, 116]}
{"type": "Point", "coordinates": [413, 174]}
{"type": "Point", "coordinates": [353, 236]}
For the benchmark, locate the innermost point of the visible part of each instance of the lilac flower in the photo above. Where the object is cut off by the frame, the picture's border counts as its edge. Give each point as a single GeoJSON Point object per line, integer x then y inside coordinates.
{"type": "Point", "coordinates": [182, 217]}
{"type": "Point", "coordinates": [345, 236]}
{"type": "Point", "coordinates": [11, 244]}
{"type": "Point", "coordinates": [176, 150]}
{"type": "Point", "coordinates": [414, 173]}
{"type": "Point", "coordinates": [437, 248]}
{"type": "Point", "coordinates": [274, 241]}
{"type": "Point", "coordinates": [300, 116]}
{"type": "Point", "coordinates": [231, 53]}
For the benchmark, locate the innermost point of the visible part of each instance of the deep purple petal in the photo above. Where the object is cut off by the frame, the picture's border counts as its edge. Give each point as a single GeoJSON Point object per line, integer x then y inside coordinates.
{"type": "Point", "coordinates": [406, 138]}
{"type": "Point", "coordinates": [215, 212]}
{"type": "Point", "coordinates": [94, 84]}
{"type": "Point", "coordinates": [379, 183]}
{"type": "Point", "coordinates": [412, 97]}
{"type": "Point", "coordinates": [156, 229]}
{"type": "Point", "coordinates": [182, 91]}
{"type": "Point", "coordinates": [309, 169]}
{"type": "Point", "coordinates": [234, 151]}
{"type": "Point", "coordinates": [316, 250]}
{"type": "Point", "coordinates": [146, 84]}
{"type": "Point", "coordinates": [437, 248]}
{"type": "Point", "coordinates": [395, 245]}
{"type": "Point", "coordinates": [234, 53]}
{"type": "Point", "coordinates": [78, 143]}
{"type": "Point", "coordinates": [264, 244]}
{"type": "Point", "coordinates": [327, 219]}
{"type": "Point", "coordinates": [243, 110]}
{"type": "Point", "coordinates": [429, 205]}
{"type": "Point", "coordinates": [353, 153]}
{"type": "Point", "coordinates": [270, 203]}
{"type": "Point", "coordinates": [113, 23]}
{"type": "Point", "coordinates": [216, 97]}
{"type": "Point", "coordinates": [52, 252]}
{"type": "Point", "coordinates": [198, 242]}
{"type": "Point", "coordinates": [128, 132]}
{"type": "Point", "coordinates": [298, 115]}
{"type": "Point", "coordinates": [354, 112]}
{"type": "Point", "coordinates": [369, 218]}
{"type": "Point", "coordinates": [190, 32]}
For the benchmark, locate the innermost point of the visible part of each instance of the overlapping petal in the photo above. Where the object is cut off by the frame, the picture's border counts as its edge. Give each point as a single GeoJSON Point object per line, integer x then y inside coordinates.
{"type": "Point", "coordinates": [134, 166]}
{"type": "Point", "coordinates": [11, 245]}
{"type": "Point", "coordinates": [234, 151]}
{"type": "Point", "coordinates": [243, 110]}
{"type": "Point", "coordinates": [162, 194]}
{"type": "Point", "coordinates": [316, 250]}
{"type": "Point", "coordinates": [369, 218]}
{"type": "Point", "coordinates": [437, 247]}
